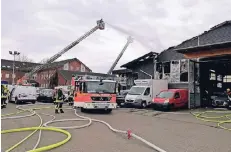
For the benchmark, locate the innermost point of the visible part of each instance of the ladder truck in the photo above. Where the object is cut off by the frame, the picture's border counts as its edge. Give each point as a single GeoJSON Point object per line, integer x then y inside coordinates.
{"type": "Point", "coordinates": [24, 80]}
{"type": "Point", "coordinates": [129, 40]}
{"type": "Point", "coordinates": [92, 93]}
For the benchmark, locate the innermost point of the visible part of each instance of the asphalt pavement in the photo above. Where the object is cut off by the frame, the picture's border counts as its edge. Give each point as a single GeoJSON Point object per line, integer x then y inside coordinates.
{"type": "Point", "coordinates": [173, 132]}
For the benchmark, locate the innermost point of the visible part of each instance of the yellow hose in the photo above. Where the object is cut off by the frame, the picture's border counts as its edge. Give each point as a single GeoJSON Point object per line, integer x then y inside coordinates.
{"type": "Point", "coordinates": [215, 119]}
{"type": "Point", "coordinates": [10, 114]}
{"type": "Point", "coordinates": [35, 130]}
{"type": "Point", "coordinates": [45, 148]}
{"type": "Point", "coordinates": [20, 142]}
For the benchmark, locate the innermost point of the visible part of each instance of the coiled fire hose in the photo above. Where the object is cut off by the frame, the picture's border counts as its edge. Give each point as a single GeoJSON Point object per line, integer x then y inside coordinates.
{"type": "Point", "coordinates": [45, 148]}
{"type": "Point", "coordinates": [60, 129]}
{"type": "Point", "coordinates": [220, 120]}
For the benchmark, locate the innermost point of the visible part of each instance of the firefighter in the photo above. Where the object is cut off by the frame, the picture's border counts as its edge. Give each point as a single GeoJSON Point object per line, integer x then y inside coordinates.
{"type": "Point", "coordinates": [59, 101]}
{"type": "Point", "coordinates": [70, 97]}
{"type": "Point", "coordinates": [228, 92]}
{"type": "Point", "coordinates": [4, 95]}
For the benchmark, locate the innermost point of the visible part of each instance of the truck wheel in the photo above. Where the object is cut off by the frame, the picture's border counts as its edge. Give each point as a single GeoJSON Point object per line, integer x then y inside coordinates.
{"type": "Point", "coordinates": [143, 104]}
{"type": "Point", "coordinates": [82, 109]}
{"type": "Point", "coordinates": [16, 101]}
{"type": "Point", "coordinates": [108, 110]}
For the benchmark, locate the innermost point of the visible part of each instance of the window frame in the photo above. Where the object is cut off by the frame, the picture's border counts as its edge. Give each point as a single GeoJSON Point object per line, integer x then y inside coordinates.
{"type": "Point", "coordinates": [146, 90]}
{"type": "Point", "coordinates": [176, 94]}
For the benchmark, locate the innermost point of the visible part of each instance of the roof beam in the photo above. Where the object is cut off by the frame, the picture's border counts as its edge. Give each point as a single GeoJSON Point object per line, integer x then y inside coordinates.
{"type": "Point", "coordinates": [207, 53]}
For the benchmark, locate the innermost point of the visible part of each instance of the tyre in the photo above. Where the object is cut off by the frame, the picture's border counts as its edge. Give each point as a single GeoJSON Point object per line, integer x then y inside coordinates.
{"type": "Point", "coordinates": [108, 110]}
{"type": "Point", "coordinates": [229, 107]}
{"type": "Point", "coordinates": [33, 102]}
{"type": "Point", "coordinates": [82, 109]}
{"type": "Point", "coordinates": [16, 101]}
{"type": "Point", "coordinates": [143, 104]}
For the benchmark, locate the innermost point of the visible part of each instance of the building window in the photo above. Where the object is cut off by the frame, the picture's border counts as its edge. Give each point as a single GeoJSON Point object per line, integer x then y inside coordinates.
{"type": "Point", "coordinates": [212, 76]}
{"type": "Point", "coordinates": [166, 70]}
{"type": "Point", "coordinates": [66, 66]}
{"type": "Point", "coordinates": [7, 75]}
{"type": "Point", "coordinates": [13, 75]}
{"type": "Point", "coordinates": [159, 71]}
{"type": "Point", "coordinates": [175, 71]}
{"type": "Point", "coordinates": [71, 68]}
{"type": "Point", "coordinates": [184, 70]}
{"type": "Point", "coordinates": [227, 78]}
{"type": "Point", "coordinates": [82, 68]}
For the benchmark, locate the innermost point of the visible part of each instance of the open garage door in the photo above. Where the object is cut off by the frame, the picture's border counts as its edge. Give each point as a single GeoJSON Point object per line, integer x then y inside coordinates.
{"type": "Point", "coordinates": [215, 77]}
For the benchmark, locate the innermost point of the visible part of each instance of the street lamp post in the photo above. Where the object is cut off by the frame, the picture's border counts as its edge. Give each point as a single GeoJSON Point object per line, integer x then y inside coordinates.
{"type": "Point", "coordinates": [14, 53]}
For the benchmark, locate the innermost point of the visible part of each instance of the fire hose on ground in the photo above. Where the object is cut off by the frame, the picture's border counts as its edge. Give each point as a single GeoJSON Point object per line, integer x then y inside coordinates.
{"type": "Point", "coordinates": [61, 129]}
{"type": "Point", "coordinates": [215, 119]}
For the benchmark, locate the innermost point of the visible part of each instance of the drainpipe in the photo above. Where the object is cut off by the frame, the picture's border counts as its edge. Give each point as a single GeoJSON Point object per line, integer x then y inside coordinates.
{"type": "Point", "coordinates": [154, 71]}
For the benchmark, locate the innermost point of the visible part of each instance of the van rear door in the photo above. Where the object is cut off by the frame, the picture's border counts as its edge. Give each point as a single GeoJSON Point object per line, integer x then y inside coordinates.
{"type": "Point", "coordinates": [31, 93]}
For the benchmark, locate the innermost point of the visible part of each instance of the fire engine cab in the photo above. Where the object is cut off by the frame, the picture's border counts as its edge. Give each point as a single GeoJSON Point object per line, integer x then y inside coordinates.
{"type": "Point", "coordinates": [94, 94]}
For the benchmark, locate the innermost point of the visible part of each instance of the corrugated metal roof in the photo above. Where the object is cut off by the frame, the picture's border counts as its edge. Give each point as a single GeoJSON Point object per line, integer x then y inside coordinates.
{"type": "Point", "coordinates": [220, 33]}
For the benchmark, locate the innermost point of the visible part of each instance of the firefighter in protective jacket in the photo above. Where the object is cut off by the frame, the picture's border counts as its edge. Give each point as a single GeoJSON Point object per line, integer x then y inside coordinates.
{"type": "Point", "coordinates": [4, 95]}
{"type": "Point", "coordinates": [59, 101]}
{"type": "Point", "coordinates": [228, 92]}
{"type": "Point", "coordinates": [71, 97]}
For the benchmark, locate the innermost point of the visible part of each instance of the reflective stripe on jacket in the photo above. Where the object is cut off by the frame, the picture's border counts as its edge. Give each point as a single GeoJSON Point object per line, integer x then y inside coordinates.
{"type": "Point", "coordinates": [4, 94]}
{"type": "Point", "coordinates": [59, 99]}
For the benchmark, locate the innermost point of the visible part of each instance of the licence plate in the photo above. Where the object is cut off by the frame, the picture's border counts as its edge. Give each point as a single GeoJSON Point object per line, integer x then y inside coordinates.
{"type": "Point", "coordinates": [102, 105]}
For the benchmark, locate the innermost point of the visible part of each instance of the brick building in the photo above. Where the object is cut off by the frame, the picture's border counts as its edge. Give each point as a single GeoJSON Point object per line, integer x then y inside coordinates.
{"type": "Point", "coordinates": [44, 77]}
{"type": "Point", "coordinates": [65, 76]}
{"type": "Point", "coordinates": [20, 69]}
{"type": "Point", "coordinates": [48, 76]}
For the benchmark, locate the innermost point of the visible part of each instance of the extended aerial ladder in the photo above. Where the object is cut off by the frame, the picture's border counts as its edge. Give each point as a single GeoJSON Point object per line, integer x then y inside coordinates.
{"type": "Point", "coordinates": [129, 40]}
{"type": "Point", "coordinates": [100, 25]}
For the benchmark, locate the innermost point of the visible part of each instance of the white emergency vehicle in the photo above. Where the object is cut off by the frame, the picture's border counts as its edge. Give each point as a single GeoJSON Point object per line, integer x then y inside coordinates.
{"type": "Point", "coordinates": [23, 94]}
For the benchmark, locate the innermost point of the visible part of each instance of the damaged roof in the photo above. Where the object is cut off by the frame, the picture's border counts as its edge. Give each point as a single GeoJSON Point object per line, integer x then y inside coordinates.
{"type": "Point", "coordinates": [217, 36]}
{"type": "Point", "coordinates": [169, 54]}
{"type": "Point", "coordinates": [145, 57]}
{"type": "Point", "coordinates": [121, 71]}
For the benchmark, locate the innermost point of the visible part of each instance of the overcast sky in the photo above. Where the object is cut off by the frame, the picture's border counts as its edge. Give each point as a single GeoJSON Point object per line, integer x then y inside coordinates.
{"type": "Point", "coordinates": [41, 28]}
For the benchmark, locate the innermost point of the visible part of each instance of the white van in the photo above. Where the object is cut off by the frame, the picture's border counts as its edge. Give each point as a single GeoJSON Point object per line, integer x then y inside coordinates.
{"type": "Point", "coordinates": [23, 94]}
{"type": "Point", "coordinates": [142, 94]}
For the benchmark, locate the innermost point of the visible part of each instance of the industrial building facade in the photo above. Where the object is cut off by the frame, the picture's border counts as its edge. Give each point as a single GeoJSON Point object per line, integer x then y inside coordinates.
{"type": "Point", "coordinates": [201, 64]}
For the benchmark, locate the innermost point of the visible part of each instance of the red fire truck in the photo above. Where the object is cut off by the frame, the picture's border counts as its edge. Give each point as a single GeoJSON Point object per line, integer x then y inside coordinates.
{"type": "Point", "coordinates": [94, 94]}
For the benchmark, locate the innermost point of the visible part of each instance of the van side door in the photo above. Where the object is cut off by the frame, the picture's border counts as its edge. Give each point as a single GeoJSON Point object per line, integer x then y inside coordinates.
{"type": "Point", "coordinates": [147, 95]}
{"type": "Point", "coordinates": [177, 99]}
